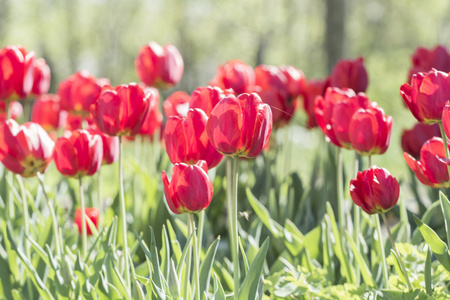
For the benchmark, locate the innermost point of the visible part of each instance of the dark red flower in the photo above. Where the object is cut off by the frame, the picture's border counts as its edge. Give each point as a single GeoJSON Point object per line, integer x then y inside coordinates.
{"type": "Point", "coordinates": [349, 73]}
{"type": "Point", "coordinates": [190, 189]}
{"type": "Point", "coordinates": [206, 98]}
{"type": "Point", "coordinates": [186, 139]}
{"type": "Point", "coordinates": [334, 113]}
{"type": "Point", "coordinates": [375, 190]}
{"type": "Point", "coordinates": [157, 66]}
{"type": "Point", "coordinates": [25, 149]}
{"type": "Point", "coordinates": [240, 126]}
{"type": "Point", "coordinates": [121, 110]}
{"type": "Point", "coordinates": [79, 154]}
{"type": "Point", "coordinates": [89, 212]}
{"type": "Point", "coordinates": [312, 89]}
{"type": "Point", "coordinates": [236, 75]}
{"type": "Point", "coordinates": [177, 104]}
{"type": "Point", "coordinates": [79, 91]}
{"type": "Point", "coordinates": [46, 112]}
{"type": "Point", "coordinates": [426, 95]}
{"type": "Point", "coordinates": [423, 60]}
{"type": "Point", "coordinates": [283, 108]}
{"type": "Point", "coordinates": [432, 169]}
{"type": "Point", "coordinates": [370, 130]}
{"type": "Point", "coordinates": [16, 72]}
{"type": "Point", "coordinates": [110, 145]}
{"type": "Point", "coordinates": [413, 139]}
{"type": "Point", "coordinates": [15, 110]}
{"type": "Point", "coordinates": [270, 77]}
{"type": "Point", "coordinates": [41, 74]}
{"type": "Point", "coordinates": [295, 80]}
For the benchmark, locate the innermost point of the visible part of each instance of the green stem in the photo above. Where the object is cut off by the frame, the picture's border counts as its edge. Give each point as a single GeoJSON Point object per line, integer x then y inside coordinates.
{"type": "Point", "coordinates": [400, 260]}
{"type": "Point", "coordinates": [444, 140]}
{"type": "Point", "coordinates": [196, 257]}
{"type": "Point", "coordinates": [83, 220]}
{"type": "Point", "coordinates": [370, 161]}
{"type": "Point", "coordinates": [52, 215]}
{"type": "Point", "coordinates": [123, 216]}
{"type": "Point", "coordinates": [340, 195]}
{"type": "Point", "coordinates": [99, 197]}
{"type": "Point", "coordinates": [188, 260]}
{"type": "Point", "coordinates": [383, 256]}
{"type": "Point", "coordinates": [201, 224]}
{"type": "Point", "coordinates": [357, 223]}
{"type": "Point", "coordinates": [232, 185]}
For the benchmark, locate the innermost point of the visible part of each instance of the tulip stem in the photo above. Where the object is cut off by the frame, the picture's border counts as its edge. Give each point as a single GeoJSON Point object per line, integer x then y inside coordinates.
{"type": "Point", "coordinates": [196, 257]}
{"type": "Point", "coordinates": [232, 185]}
{"type": "Point", "coordinates": [340, 195]}
{"type": "Point", "coordinates": [444, 140]}
{"type": "Point", "coordinates": [383, 255]}
{"type": "Point", "coordinates": [83, 220]}
{"type": "Point", "coordinates": [52, 215]}
{"type": "Point", "coordinates": [123, 216]}
{"type": "Point", "coordinates": [188, 260]}
{"type": "Point", "coordinates": [99, 197]}
{"type": "Point", "coordinates": [201, 224]}
{"type": "Point", "coordinates": [400, 260]}
{"type": "Point", "coordinates": [357, 223]}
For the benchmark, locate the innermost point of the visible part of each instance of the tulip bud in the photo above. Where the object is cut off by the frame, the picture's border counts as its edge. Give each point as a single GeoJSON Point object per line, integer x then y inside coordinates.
{"type": "Point", "coordinates": [91, 213]}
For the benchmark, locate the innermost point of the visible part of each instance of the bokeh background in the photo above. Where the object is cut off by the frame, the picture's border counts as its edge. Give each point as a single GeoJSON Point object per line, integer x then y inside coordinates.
{"type": "Point", "coordinates": [104, 37]}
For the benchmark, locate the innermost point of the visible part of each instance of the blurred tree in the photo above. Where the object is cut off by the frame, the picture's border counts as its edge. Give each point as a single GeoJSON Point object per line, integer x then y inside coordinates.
{"type": "Point", "coordinates": [335, 33]}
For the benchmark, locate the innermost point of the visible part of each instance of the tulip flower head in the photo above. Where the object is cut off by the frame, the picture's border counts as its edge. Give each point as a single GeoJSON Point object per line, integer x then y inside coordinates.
{"type": "Point", "coordinates": [47, 112]}
{"type": "Point", "coordinates": [190, 189]}
{"type": "Point", "coordinates": [426, 95]}
{"type": "Point", "coordinates": [235, 75]}
{"type": "Point", "coordinates": [41, 80]}
{"type": "Point", "coordinates": [413, 139]}
{"type": "Point", "coordinates": [350, 74]}
{"type": "Point", "coordinates": [431, 169]}
{"type": "Point", "coordinates": [110, 145]}
{"type": "Point", "coordinates": [334, 112]}
{"type": "Point", "coordinates": [423, 60]}
{"type": "Point", "coordinates": [206, 98]}
{"type": "Point", "coordinates": [240, 126]}
{"type": "Point", "coordinates": [154, 119]}
{"type": "Point", "coordinates": [312, 89]}
{"type": "Point", "coordinates": [121, 110]}
{"type": "Point", "coordinates": [160, 67]}
{"type": "Point", "coordinates": [25, 149]}
{"type": "Point", "coordinates": [90, 212]}
{"type": "Point", "coordinates": [80, 154]}
{"type": "Point", "coordinates": [15, 110]}
{"type": "Point", "coordinates": [375, 190]}
{"type": "Point", "coordinates": [187, 142]}
{"type": "Point", "coordinates": [176, 104]}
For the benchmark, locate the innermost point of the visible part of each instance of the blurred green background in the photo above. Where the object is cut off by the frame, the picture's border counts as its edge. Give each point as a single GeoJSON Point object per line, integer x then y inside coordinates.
{"type": "Point", "coordinates": [104, 37]}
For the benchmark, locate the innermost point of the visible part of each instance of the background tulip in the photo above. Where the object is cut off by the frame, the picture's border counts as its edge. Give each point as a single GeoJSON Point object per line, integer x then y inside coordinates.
{"type": "Point", "coordinates": [423, 60]}
{"type": "Point", "coordinates": [375, 190]}
{"type": "Point", "coordinates": [25, 149]}
{"type": "Point", "coordinates": [431, 169]}
{"type": "Point", "coordinates": [187, 142]}
{"type": "Point", "coordinates": [121, 110]}
{"type": "Point", "coordinates": [110, 145]}
{"type": "Point", "coordinates": [15, 110]}
{"type": "Point", "coordinates": [426, 95]}
{"type": "Point", "coordinates": [312, 89]}
{"type": "Point", "coordinates": [154, 119]}
{"type": "Point", "coordinates": [240, 126]}
{"type": "Point", "coordinates": [236, 75]}
{"type": "Point", "coordinates": [79, 154]}
{"type": "Point", "coordinates": [42, 76]}
{"type": "Point", "coordinates": [190, 189]}
{"type": "Point", "coordinates": [413, 139]}
{"type": "Point", "coordinates": [349, 73]}
{"type": "Point", "coordinates": [177, 104]}
{"type": "Point", "coordinates": [370, 130]}
{"type": "Point", "coordinates": [47, 112]}
{"type": "Point", "coordinates": [90, 212]}
{"type": "Point", "coordinates": [206, 98]}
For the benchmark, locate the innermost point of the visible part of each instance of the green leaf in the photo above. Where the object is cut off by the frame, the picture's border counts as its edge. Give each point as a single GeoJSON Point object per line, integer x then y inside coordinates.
{"type": "Point", "coordinates": [219, 293]}
{"type": "Point", "coordinates": [445, 205]}
{"type": "Point", "coordinates": [176, 248]}
{"type": "Point", "coordinates": [183, 255]}
{"type": "Point", "coordinates": [416, 237]}
{"type": "Point", "coordinates": [206, 266]}
{"type": "Point", "coordinates": [250, 285]}
{"type": "Point", "coordinates": [264, 215]}
{"type": "Point", "coordinates": [427, 272]}
{"type": "Point", "coordinates": [365, 272]}
{"type": "Point", "coordinates": [244, 257]}
{"type": "Point", "coordinates": [165, 253]}
{"type": "Point", "coordinates": [172, 281]}
{"type": "Point", "coordinates": [438, 247]}
{"type": "Point", "coordinates": [114, 277]}
{"type": "Point", "coordinates": [328, 262]}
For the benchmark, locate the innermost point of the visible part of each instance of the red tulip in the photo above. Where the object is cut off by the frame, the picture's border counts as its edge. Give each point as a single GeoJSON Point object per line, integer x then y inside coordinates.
{"type": "Point", "coordinates": [350, 74]}
{"type": "Point", "coordinates": [121, 110]}
{"type": "Point", "coordinates": [370, 130]}
{"type": "Point", "coordinates": [158, 66]}
{"type": "Point", "coordinates": [432, 169]}
{"type": "Point", "coordinates": [236, 75]}
{"type": "Point", "coordinates": [423, 60]}
{"type": "Point", "coordinates": [16, 72]}
{"type": "Point", "coordinates": [375, 190]}
{"type": "Point", "coordinates": [206, 98]}
{"type": "Point", "coordinates": [91, 213]}
{"type": "Point", "coordinates": [283, 108]}
{"type": "Point", "coordinates": [25, 149]}
{"type": "Point", "coordinates": [41, 74]}
{"type": "Point", "coordinates": [312, 89]}
{"type": "Point", "coordinates": [73, 122]}
{"type": "Point", "coordinates": [270, 77]}
{"type": "Point", "coordinates": [190, 189]}
{"type": "Point", "coordinates": [240, 126]}
{"type": "Point", "coordinates": [176, 104]}
{"type": "Point", "coordinates": [154, 119]}
{"type": "Point", "coordinates": [334, 113]}
{"type": "Point", "coordinates": [295, 80]}
{"type": "Point", "coordinates": [15, 110]}
{"type": "Point", "coordinates": [446, 119]}
{"type": "Point", "coordinates": [186, 139]}
{"type": "Point", "coordinates": [79, 155]}
{"type": "Point", "coordinates": [46, 112]}
{"type": "Point", "coordinates": [413, 139]}
{"type": "Point", "coordinates": [79, 91]}
{"type": "Point", "coordinates": [426, 95]}
{"type": "Point", "coordinates": [110, 145]}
